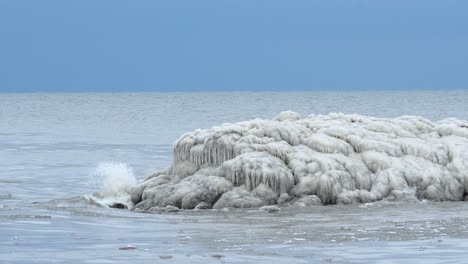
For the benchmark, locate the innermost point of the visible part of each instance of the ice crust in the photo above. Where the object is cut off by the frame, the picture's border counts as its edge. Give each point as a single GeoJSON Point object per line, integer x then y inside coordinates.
{"type": "Point", "coordinates": [321, 159]}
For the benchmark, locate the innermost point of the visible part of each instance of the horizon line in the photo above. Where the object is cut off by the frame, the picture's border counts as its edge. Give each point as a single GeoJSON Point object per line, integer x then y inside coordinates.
{"type": "Point", "coordinates": [233, 90]}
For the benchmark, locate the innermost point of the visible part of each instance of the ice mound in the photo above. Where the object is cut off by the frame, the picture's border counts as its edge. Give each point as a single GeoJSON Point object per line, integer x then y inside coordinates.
{"type": "Point", "coordinates": [321, 159]}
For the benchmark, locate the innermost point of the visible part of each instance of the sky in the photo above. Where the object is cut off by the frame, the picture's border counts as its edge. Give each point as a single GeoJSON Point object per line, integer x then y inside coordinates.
{"type": "Point", "coordinates": [114, 45]}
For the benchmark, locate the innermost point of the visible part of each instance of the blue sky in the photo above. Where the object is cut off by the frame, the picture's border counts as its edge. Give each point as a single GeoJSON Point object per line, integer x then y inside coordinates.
{"type": "Point", "coordinates": [113, 45]}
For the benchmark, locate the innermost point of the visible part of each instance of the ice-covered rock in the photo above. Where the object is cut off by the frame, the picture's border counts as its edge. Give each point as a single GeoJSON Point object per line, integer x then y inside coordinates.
{"type": "Point", "coordinates": [308, 200]}
{"type": "Point", "coordinates": [239, 197]}
{"type": "Point", "coordinates": [320, 159]}
{"type": "Point", "coordinates": [283, 198]}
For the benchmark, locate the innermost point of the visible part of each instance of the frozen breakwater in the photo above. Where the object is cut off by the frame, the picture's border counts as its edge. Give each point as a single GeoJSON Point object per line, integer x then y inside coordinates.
{"type": "Point", "coordinates": [320, 159]}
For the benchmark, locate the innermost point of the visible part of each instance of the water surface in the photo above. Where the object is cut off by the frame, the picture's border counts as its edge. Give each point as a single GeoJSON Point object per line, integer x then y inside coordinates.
{"type": "Point", "coordinates": [50, 144]}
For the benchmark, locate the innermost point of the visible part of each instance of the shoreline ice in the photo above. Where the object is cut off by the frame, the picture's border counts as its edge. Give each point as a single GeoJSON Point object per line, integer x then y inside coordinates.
{"type": "Point", "coordinates": [321, 159]}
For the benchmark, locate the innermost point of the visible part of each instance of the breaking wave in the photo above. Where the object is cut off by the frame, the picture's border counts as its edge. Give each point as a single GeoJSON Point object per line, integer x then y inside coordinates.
{"type": "Point", "coordinates": [318, 160]}
{"type": "Point", "coordinates": [116, 181]}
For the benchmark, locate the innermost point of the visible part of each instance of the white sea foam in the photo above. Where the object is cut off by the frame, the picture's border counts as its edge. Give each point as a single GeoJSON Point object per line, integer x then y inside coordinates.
{"type": "Point", "coordinates": [321, 159]}
{"type": "Point", "coordinates": [116, 181]}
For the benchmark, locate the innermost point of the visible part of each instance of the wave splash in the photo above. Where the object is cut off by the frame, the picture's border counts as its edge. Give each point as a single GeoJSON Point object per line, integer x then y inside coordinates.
{"type": "Point", "coordinates": [116, 180]}
{"type": "Point", "coordinates": [321, 159]}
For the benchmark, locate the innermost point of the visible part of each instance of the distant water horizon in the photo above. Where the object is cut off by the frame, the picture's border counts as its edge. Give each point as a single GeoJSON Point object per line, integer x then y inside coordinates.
{"type": "Point", "coordinates": [94, 90]}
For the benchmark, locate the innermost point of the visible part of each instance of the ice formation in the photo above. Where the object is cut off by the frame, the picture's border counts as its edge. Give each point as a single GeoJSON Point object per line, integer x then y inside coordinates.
{"type": "Point", "coordinates": [321, 159]}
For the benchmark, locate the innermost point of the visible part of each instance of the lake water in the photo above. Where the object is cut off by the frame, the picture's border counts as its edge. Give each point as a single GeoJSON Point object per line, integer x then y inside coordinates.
{"type": "Point", "coordinates": [51, 144]}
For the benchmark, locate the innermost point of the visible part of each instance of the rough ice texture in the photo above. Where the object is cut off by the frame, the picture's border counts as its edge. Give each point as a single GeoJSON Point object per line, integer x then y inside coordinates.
{"type": "Point", "coordinates": [321, 159]}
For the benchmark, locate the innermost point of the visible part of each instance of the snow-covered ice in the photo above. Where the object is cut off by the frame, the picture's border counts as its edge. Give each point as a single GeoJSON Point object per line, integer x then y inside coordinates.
{"type": "Point", "coordinates": [320, 159]}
